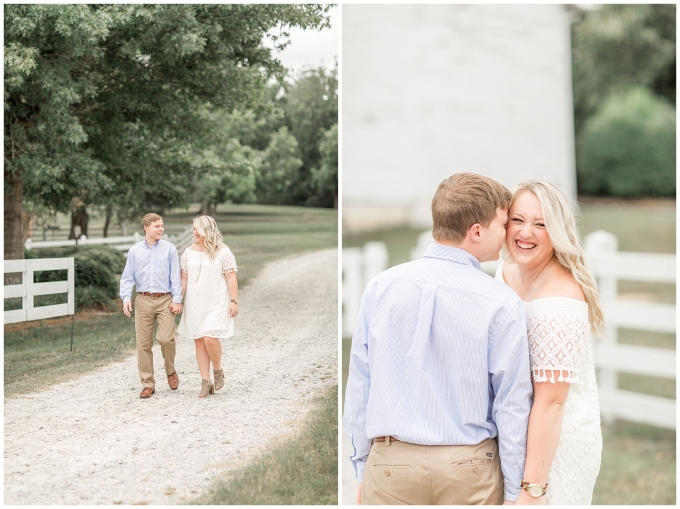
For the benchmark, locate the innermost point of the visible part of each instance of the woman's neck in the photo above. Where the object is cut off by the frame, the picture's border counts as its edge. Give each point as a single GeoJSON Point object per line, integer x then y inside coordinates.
{"type": "Point", "coordinates": [526, 277]}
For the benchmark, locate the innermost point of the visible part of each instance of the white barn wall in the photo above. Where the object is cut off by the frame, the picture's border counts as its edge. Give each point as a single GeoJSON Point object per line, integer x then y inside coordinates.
{"type": "Point", "coordinates": [428, 91]}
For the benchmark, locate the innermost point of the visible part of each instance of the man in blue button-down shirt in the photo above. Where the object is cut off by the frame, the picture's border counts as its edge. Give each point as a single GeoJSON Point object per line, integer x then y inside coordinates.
{"type": "Point", "coordinates": [439, 385]}
{"type": "Point", "coordinates": [153, 266]}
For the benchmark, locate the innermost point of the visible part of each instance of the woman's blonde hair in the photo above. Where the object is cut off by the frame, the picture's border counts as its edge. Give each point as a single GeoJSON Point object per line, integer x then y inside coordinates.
{"type": "Point", "coordinates": [560, 223]}
{"type": "Point", "coordinates": [207, 227]}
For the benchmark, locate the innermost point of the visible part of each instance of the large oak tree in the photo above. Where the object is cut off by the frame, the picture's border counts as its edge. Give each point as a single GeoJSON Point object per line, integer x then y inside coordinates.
{"type": "Point", "coordinates": [104, 103]}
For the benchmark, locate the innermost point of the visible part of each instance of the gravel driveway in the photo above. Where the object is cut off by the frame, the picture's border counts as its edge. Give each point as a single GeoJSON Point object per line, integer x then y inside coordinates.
{"type": "Point", "coordinates": [93, 441]}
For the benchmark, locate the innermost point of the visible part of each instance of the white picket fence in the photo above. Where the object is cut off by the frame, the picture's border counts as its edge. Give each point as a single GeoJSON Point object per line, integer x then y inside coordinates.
{"type": "Point", "coordinates": [607, 265]}
{"type": "Point", "coordinates": [27, 289]}
{"type": "Point", "coordinates": [181, 240]}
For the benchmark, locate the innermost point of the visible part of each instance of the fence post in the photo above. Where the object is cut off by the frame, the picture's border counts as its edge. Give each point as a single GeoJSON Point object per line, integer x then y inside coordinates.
{"type": "Point", "coordinates": [138, 237]}
{"type": "Point", "coordinates": [599, 247]}
{"type": "Point", "coordinates": [374, 260]}
{"type": "Point", "coordinates": [351, 288]}
{"type": "Point", "coordinates": [424, 241]}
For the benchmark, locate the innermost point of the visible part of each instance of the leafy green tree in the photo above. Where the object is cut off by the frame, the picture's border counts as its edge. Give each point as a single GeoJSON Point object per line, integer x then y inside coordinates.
{"type": "Point", "coordinates": [103, 102]}
{"type": "Point", "coordinates": [230, 176]}
{"type": "Point", "coordinates": [310, 104]}
{"type": "Point", "coordinates": [325, 178]}
{"type": "Point", "coordinates": [618, 47]}
{"type": "Point", "coordinates": [628, 147]}
{"type": "Point", "coordinates": [278, 175]}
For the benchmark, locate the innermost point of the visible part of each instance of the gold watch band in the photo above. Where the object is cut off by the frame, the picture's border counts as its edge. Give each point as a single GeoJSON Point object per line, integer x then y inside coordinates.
{"type": "Point", "coordinates": [534, 490]}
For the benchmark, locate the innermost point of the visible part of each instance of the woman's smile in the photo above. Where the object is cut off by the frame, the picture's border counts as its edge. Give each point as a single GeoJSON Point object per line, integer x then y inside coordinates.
{"type": "Point", "coordinates": [527, 239]}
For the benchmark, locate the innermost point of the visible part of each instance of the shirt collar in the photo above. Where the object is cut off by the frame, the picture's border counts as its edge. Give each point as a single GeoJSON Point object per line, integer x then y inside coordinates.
{"type": "Point", "coordinates": [454, 254]}
{"type": "Point", "coordinates": [155, 245]}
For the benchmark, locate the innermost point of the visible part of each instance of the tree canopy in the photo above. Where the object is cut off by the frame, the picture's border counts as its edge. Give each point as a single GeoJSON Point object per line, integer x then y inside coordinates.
{"type": "Point", "coordinates": [106, 103]}
{"type": "Point", "coordinates": [624, 99]}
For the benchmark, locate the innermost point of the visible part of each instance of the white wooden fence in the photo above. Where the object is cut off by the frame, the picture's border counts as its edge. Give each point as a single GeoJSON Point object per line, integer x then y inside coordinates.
{"type": "Point", "coordinates": [359, 266]}
{"type": "Point", "coordinates": [182, 240]}
{"type": "Point", "coordinates": [607, 265]}
{"type": "Point", "coordinates": [27, 289]}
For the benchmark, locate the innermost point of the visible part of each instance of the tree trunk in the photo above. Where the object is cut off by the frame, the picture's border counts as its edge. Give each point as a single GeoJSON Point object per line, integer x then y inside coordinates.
{"type": "Point", "coordinates": [109, 213]}
{"type": "Point", "coordinates": [14, 225]}
{"type": "Point", "coordinates": [79, 217]}
{"type": "Point", "coordinates": [207, 208]}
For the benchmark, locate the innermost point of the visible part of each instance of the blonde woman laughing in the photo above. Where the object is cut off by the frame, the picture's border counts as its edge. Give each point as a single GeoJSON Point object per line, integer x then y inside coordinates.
{"type": "Point", "coordinates": [210, 291]}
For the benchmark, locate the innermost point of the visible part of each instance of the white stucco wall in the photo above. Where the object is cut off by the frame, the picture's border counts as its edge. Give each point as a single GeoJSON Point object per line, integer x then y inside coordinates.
{"type": "Point", "coordinates": [428, 91]}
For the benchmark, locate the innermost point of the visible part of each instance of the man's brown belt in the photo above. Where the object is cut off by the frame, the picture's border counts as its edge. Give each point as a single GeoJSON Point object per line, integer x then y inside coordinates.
{"type": "Point", "coordinates": [386, 439]}
{"type": "Point", "coordinates": [147, 294]}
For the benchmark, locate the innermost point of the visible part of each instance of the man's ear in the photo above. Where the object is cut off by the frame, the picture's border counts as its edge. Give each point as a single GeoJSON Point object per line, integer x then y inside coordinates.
{"type": "Point", "coordinates": [475, 232]}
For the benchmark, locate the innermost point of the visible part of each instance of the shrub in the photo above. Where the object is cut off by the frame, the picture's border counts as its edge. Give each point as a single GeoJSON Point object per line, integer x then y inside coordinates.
{"type": "Point", "coordinates": [627, 148]}
{"type": "Point", "coordinates": [95, 281]}
{"type": "Point", "coordinates": [92, 297]}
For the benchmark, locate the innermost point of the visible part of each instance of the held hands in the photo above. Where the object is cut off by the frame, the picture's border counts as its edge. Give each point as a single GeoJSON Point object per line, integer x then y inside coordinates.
{"type": "Point", "coordinates": [175, 308]}
{"type": "Point", "coordinates": [359, 496]}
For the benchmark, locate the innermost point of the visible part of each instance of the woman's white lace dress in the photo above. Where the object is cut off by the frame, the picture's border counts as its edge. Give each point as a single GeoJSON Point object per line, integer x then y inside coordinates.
{"type": "Point", "coordinates": [560, 350]}
{"type": "Point", "coordinates": [206, 301]}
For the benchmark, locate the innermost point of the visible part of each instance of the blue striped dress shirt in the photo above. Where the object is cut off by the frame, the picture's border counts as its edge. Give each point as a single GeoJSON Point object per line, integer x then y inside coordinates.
{"type": "Point", "coordinates": [440, 357]}
{"type": "Point", "coordinates": [154, 269]}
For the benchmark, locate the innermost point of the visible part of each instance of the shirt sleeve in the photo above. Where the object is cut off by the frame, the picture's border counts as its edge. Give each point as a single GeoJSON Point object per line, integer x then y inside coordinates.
{"type": "Point", "coordinates": [175, 277]}
{"type": "Point", "coordinates": [358, 385]}
{"type": "Point", "coordinates": [510, 375]}
{"type": "Point", "coordinates": [228, 261]}
{"type": "Point", "coordinates": [127, 279]}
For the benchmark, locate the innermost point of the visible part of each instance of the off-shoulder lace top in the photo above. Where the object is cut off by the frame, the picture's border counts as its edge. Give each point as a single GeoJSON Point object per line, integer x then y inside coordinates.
{"type": "Point", "coordinates": [560, 350]}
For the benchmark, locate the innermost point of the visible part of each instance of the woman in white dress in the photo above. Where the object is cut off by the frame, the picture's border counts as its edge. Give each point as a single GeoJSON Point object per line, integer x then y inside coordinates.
{"type": "Point", "coordinates": [545, 265]}
{"type": "Point", "coordinates": [210, 292]}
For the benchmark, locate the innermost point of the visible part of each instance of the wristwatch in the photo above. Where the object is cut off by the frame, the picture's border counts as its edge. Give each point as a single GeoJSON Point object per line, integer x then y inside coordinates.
{"type": "Point", "coordinates": [534, 490]}
{"type": "Point", "coordinates": [235, 301]}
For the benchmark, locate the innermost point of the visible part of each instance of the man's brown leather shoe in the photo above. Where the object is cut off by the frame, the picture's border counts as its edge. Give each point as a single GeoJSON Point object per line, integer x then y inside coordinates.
{"type": "Point", "coordinates": [147, 392]}
{"type": "Point", "coordinates": [173, 380]}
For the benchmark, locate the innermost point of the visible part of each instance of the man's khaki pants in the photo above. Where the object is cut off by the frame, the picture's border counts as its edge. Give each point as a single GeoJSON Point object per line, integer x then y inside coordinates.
{"type": "Point", "coordinates": [147, 311]}
{"type": "Point", "coordinates": [403, 473]}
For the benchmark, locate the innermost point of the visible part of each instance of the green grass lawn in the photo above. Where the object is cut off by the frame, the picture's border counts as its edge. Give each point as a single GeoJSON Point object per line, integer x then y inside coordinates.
{"type": "Point", "coordinates": [39, 355]}
{"type": "Point", "coordinates": [635, 456]}
{"type": "Point", "coordinates": [301, 471]}
{"type": "Point", "coordinates": [259, 234]}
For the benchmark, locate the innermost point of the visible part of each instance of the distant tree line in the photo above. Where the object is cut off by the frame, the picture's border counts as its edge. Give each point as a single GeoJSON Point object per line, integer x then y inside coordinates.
{"type": "Point", "coordinates": [130, 108]}
{"type": "Point", "coordinates": [624, 67]}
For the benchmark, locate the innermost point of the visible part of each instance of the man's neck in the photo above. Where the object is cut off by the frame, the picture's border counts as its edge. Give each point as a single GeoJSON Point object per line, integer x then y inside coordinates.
{"type": "Point", "coordinates": [150, 242]}
{"type": "Point", "coordinates": [463, 245]}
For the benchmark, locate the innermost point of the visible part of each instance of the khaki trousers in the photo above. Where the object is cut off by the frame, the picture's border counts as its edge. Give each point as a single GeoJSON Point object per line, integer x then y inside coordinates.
{"type": "Point", "coordinates": [147, 311]}
{"type": "Point", "coordinates": [403, 473]}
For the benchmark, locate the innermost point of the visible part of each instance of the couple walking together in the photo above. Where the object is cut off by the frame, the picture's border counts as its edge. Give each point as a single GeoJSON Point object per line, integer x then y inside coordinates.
{"type": "Point", "coordinates": [467, 389]}
{"type": "Point", "coordinates": [205, 279]}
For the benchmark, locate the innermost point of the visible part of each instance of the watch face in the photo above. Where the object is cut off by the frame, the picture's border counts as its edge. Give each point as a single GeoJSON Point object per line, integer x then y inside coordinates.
{"type": "Point", "coordinates": [535, 490]}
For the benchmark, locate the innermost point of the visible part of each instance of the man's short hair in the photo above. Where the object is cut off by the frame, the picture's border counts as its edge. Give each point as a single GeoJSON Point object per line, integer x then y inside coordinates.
{"type": "Point", "coordinates": [465, 199]}
{"type": "Point", "coordinates": [150, 218]}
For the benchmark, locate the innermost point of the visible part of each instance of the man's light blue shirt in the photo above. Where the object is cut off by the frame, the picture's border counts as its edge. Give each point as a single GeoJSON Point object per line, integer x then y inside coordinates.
{"type": "Point", "coordinates": [440, 357]}
{"type": "Point", "coordinates": [154, 269]}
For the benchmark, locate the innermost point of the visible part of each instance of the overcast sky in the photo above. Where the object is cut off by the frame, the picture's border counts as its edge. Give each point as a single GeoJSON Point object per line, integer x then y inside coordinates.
{"type": "Point", "coordinates": [311, 48]}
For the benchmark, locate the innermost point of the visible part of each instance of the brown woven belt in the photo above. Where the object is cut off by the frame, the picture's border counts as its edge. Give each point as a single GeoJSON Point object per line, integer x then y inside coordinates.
{"type": "Point", "coordinates": [384, 439]}
{"type": "Point", "coordinates": [147, 294]}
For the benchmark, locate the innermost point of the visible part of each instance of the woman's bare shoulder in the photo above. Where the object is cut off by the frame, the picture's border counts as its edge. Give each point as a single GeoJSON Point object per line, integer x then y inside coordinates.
{"type": "Point", "coordinates": [562, 283]}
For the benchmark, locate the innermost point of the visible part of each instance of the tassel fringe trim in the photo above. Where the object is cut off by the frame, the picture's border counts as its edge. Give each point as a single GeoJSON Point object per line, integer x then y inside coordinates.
{"type": "Point", "coordinates": [571, 376]}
